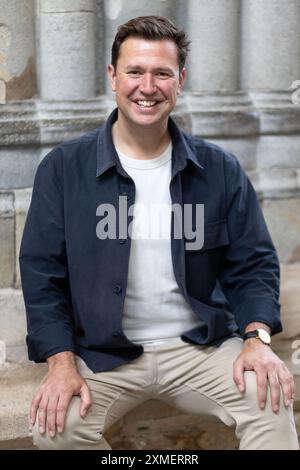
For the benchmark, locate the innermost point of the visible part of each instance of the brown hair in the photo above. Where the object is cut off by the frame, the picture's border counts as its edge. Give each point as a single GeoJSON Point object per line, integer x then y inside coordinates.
{"type": "Point", "coordinates": [152, 28]}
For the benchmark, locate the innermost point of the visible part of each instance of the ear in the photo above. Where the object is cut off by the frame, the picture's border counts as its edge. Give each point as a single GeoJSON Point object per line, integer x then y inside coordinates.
{"type": "Point", "coordinates": [111, 76]}
{"type": "Point", "coordinates": [182, 76]}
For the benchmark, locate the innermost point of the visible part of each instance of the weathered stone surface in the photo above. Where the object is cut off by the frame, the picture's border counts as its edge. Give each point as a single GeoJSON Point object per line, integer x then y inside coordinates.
{"type": "Point", "coordinates": [65, 120]}
{"type": "Point", "coordinates": [17, 41]}
{"type": "Point", "coordinates": [278, 114]}
{"type": "Point", "coordinates": [2, 352]}
{"type": "Point", "coordinates": [13, 325]}
{"type": "Point", "coordinates": [23, 86]}
{"type": "Point", "coordinates": [213, 60]}
{"type": "Point", "coordinates": [2, 92]}
{"type": "Point", "coordinates": [222, 114]}
{"type": "Point", "coordinates": [278, 184]}
{"type": "Point", "coordinates": [7, 250]}
{"type": "Point", "coordinates": [22, 202]}
{"type": "Point", "coordinates": [18, 167]}
{"type": "Point", "coordinates": [283, 220]}
{"type": "Point", "coordinates": [244, 148]}
{"type": "Point", "coordinates": [19, 124]}
{"type": "Point", "coordinates": [64, 6]}
{"type": "Point", "coordinates": [290, 300]}
{"type": "Point", "coordinates": [34, 123]}
{"type": "Point", "coordinates": [67, 60]}
{"type": "Point", "coordinates": [23, 443]}
{"type": "Point", "coordinates": [18, 384]}
{"type": "Point", "coordinates": [272, 151]}
{"type": "Point", "coordinates": [99, 46]}
{"type": "Point", "coordinates": [270, 44]}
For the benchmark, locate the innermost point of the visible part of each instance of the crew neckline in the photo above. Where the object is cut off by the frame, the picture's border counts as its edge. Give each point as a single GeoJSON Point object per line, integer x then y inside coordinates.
{"type": "Point", "coordinates": [150, 164]}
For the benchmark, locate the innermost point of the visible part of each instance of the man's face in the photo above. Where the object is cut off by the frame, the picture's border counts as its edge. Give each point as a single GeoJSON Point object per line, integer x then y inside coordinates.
{"type": "Point", "coordinates": [146, 80]}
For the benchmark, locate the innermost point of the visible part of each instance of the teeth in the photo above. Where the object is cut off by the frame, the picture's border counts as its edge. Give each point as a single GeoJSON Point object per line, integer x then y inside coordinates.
{"type": "Point", "coordinates": [146, 103]}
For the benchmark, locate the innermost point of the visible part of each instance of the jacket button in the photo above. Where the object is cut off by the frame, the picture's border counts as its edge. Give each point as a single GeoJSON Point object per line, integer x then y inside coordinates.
{"type": "Point", "coordinates": [117, 289]}
{"type": "Point", "coordinates": [122, 241]}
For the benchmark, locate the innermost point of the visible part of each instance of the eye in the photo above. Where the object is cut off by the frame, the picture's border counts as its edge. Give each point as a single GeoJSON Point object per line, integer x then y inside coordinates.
{"type": "Point", "coordinates": [163, 74]}
{"type": "Point", "coordinates": [134, 73]}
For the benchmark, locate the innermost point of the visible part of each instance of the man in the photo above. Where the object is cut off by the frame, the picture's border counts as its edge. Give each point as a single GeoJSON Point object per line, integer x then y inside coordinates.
{"type": "Point", "coordinates": [121, 317]}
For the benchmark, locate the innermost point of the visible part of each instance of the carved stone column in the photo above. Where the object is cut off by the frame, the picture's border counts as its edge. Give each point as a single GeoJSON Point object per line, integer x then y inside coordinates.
{"type": "Point", "coordinates": [271, 44]}
{"type": "Point", "coordinates": [67, 49]}
{"type": "Point", "coordinates": [270, 67]}
{"type": "Point", "coordinates": [213, 26]}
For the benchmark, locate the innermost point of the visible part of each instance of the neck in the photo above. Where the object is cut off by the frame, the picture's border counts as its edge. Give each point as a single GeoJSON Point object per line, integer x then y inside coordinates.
{"type": "Point", "coordinates": [142, 143]}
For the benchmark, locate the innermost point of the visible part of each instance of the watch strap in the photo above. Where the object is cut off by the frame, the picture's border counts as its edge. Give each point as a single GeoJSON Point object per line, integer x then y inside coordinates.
{"type": "Point", "coordinates": [250, 334]}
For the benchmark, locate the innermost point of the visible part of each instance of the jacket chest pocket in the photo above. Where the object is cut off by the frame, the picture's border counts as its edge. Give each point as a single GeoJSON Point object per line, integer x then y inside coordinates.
{"type": "Point", "coordinates": [202, 265]}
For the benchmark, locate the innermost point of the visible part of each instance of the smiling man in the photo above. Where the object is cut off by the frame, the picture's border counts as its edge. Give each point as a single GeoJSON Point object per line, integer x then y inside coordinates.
{"type": "Point", "coordinates": [121, 320]}
{"type": "Point", "coordinates": [147, 80]}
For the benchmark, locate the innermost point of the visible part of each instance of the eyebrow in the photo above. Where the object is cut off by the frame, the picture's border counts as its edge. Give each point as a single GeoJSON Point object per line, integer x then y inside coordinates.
{"type": "Point", "coordinates": [156, 69]}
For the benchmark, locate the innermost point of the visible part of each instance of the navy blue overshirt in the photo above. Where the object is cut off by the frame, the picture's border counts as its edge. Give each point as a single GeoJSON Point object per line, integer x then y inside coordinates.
{"type": "Point", "coordinates": [74, 283]}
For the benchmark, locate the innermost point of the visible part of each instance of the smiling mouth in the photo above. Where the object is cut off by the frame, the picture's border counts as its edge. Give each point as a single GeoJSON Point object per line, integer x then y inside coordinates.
{"type": "Point", "coordinates": [146, 103]}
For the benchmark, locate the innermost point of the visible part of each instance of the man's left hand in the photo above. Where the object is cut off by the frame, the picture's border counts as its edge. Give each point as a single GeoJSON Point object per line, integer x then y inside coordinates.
{"type": "Point", "coordinates": [269, 369]}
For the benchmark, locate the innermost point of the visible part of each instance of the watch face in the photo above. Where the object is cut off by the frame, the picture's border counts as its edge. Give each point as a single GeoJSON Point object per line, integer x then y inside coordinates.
{"type": "Point", "coordinates": [264, 336]}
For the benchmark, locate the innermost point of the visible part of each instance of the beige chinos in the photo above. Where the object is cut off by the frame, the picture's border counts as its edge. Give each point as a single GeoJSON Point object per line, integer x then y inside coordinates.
{"type": "Point", "coordinates": [193, 378]}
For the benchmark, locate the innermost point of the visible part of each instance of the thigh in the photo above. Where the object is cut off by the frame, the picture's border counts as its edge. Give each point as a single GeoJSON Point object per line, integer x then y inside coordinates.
{"type": "Point", "coordinates": [199, 379]}
{"type": "Point", "coordinates": [114, 393]}
{"type": "Point", "coordinates": [117, 391]}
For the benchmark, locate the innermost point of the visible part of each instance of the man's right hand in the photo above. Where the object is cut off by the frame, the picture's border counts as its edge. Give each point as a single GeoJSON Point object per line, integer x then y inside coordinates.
{"type": "Point", "coordinates": [53, 397]}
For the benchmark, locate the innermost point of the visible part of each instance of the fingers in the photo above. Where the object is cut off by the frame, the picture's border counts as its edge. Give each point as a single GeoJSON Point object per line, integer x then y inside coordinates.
{"type": "Point", "coordinates": [276, 378]}
{"type": "Point", "coordinates": [54, 395]}
{"type": "Point", "coordinates": [51, 412]}
{"type": "Point", "coordinates": [287, 383]}
{"type": "Point", "coordinates": [51, 415]}
{"type": "Point", "coordinates": [270, 372]}
{"type": "Point", "coordinates": [293, 388]}
{"type": "Point", "coordinates": [86, 400]}
{"type": "Point", "coordinates": [42, 414]}
{"type": "Point", "coordinates": [238, 375]}
{"type": "Point", "coordinates": [62, 407]}
{"type": "Point", "coordinates": [262, 387]}
{"type": "Point", "coordinates": [34, 407]}
{"type": "Point", "coordinates": [274, 390]}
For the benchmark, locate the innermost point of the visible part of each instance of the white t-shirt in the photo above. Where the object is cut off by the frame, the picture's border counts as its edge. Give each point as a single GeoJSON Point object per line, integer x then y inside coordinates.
{"type": "Point", "coordinates": [154, 309]}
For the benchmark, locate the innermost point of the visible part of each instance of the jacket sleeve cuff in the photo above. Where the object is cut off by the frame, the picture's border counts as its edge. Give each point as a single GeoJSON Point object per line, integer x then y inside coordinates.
{"type": "Point", "coordinates": [258, 309]}
{"type": "Point", "coordinates": [48, 340]}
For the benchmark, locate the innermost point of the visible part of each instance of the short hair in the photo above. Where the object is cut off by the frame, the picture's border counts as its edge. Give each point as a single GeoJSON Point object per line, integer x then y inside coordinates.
{"type": "Point", "coordinates": [152, 28]}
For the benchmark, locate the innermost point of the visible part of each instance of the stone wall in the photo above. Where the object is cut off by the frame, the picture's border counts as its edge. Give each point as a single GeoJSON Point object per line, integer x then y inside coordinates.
{"type": "Point", "coordinates": [242, 92]}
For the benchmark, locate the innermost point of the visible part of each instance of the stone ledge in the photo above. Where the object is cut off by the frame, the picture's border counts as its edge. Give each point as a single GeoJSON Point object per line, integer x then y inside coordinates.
{"type": "Point", "coordinates": [18, 384]}
{"type": "Point", "coordinates": [13, 325]}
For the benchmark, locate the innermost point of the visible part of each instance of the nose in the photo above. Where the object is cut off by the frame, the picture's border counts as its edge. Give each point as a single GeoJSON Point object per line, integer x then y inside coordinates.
{"type": "Point", "coordinates": [147, 84]}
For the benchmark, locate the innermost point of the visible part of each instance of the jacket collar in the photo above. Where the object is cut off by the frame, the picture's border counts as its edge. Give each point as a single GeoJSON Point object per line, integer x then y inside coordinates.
{"type": "Point", "coordinates": [107, 156]}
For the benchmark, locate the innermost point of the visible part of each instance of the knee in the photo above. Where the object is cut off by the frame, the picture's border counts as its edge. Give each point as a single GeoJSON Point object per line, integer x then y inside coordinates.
{"type": "Point", "coordinates": [68, 441]}
{"type": "Point", "coordinates": [78, 433]}
{"type": "Point", "coordinates": [262, 428]}
{"type": "Point", "coordinates": [283, 419]}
